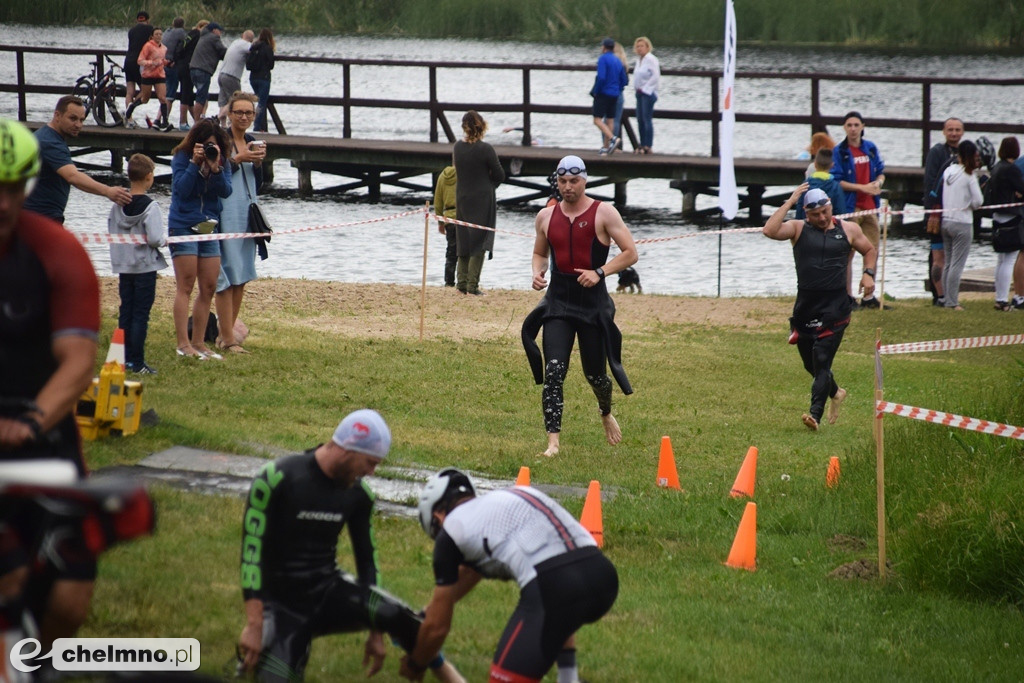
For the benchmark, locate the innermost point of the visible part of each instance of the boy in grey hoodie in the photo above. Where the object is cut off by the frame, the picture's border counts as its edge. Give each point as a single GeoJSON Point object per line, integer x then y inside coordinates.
{"type": "Point", "coordinates": [136, 263]}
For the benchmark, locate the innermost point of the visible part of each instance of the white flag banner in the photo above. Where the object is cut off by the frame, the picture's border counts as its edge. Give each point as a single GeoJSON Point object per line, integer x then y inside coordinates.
{"type": "Point", "coordinates": [728, 198]}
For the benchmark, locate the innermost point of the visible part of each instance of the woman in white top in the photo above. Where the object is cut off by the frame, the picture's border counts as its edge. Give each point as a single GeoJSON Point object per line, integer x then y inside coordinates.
{"type": "Point", "coordinates": [646, 76]}
{"type": "Point", "coordinates": [960, 192]}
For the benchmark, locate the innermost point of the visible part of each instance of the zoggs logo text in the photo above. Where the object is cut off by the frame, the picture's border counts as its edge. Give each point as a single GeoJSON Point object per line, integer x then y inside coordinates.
{"type": "Point", "coordinates": [109, 654]}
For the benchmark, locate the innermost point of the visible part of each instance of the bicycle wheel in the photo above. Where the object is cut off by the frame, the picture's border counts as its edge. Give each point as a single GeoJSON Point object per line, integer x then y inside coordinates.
{"type": "Point", "coordinates": [83, 91]}
{"type": "Point", "coordinates": [104, 108]}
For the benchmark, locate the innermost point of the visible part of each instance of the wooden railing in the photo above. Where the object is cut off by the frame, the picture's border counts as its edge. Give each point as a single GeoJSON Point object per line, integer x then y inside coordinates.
{"type": "Point", "coordinates": [436, 105]}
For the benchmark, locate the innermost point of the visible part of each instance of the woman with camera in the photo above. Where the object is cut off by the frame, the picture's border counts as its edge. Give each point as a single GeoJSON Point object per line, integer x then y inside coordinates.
{"type": "Point", "coordinates": [238, 257]}
{"type": "Point", "coordinates": [200, 178]}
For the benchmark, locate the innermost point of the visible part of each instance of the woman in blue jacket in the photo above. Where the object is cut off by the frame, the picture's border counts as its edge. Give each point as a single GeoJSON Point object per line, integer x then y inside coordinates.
{"type": "Point", "coordinates": [200, 178]}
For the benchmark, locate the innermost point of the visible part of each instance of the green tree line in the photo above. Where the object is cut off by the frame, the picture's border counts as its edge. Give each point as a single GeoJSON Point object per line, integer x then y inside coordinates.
{"type": "Point", "coordinates": [949, 25]}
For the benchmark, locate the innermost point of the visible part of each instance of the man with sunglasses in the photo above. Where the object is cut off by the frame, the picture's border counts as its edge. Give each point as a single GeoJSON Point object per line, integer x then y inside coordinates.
{"type": "Point", "coordinates": [576, 234]}
{"type": "Point", "coordinates": [822, 246]}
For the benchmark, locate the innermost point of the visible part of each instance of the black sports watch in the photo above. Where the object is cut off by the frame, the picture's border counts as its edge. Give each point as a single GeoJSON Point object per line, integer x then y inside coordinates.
{"type": "Point", "coordinates": [870, 271]}
{"type": "Point", "coordinates": [600, 272]}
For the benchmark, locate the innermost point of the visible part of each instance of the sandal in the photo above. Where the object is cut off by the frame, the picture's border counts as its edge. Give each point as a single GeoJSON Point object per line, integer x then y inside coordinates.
{"type": "Point", "coordinates": [231, 348]}
{"type": "Point", "coordinates": [1003, 306]}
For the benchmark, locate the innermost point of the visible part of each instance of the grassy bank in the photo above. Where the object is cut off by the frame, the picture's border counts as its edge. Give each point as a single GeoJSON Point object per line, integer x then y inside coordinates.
{"type": "Point", "coordinates": [951, 25]}
{"type": "Point", "coordinates": [716, 376]}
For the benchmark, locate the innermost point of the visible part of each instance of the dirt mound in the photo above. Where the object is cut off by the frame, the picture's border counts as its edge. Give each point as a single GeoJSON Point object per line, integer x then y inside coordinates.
{"type": "Point", "coordinates": [846, 543]}
{"type": "Point", "coordinates": [859, 569]}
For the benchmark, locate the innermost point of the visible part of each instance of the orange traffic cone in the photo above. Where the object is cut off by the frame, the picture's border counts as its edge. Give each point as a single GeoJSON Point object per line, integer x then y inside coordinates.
{"type": "Point", "coordinates": [524, 476]}
{"type": "Point", "coordinates": [667, 475]}
{"type": "Point", "coordinates": [744, 548]}
{"type": "Point", "coordinates": [744, 484]}
{"type": "Point", "coordinates": [591, 517]}
{"type": "Point", "coordinates": [832, 476]}
{"type": "Point", "coordinates": [116, 351]}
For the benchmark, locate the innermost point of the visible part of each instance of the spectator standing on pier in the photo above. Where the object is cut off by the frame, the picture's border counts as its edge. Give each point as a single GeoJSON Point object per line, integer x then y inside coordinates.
{"type": "Point", "coordinates": [260, 63]}
{"type": "Point", "coordinates": [444, 205]}
{"type": "Point", "coordinates": [209, 50]}
{"type": "Point", "coordinates": [821, 312]}
{"type": "Point", "coordinates": [861, 173]}
{"type": "Point", "coordinates": [137, 37]}
{"type": "Point", "coordinates": [229, 81]}
{"type": "Point", "coordinates": [646, 79]}
{"type": "Point", "coordinates": [941, 155]}
{"type": "Point", "coordinates": [186, 89]}
{"type": "Point", "coordinates": [1008, 226]}
{"type": "Point", "coordinates": [59, 173]}
{"type": "Point", "coordinates": [173, 38]}
{"type": "Point", "coordinates": [608, 85]}
{"type": "Point", "coordinates": [620, 104]}
{"type": "Point", "coordinates": [824, 180]}
{"type": "Point", "coordinates": [479, 172]}
{"type": "Point", "coordinates": [200, 179]}
{"type": "Point", "coordinates": [152, 61]}
{"type": "Point", "coordinates": [238, 256]}
{"type": "Point", "coordinates": [962, 194]}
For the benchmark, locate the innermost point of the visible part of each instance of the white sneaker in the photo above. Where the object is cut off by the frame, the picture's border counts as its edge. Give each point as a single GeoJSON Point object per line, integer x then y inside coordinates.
{"type": "Point", "coordinates": [130, 123]}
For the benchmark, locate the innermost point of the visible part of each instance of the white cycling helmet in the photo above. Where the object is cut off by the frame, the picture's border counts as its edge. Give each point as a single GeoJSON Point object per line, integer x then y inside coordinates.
{"type": "Point", "coordinates": [442, 489]}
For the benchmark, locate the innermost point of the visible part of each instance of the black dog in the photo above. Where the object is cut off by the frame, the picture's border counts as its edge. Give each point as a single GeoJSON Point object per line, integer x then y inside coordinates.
{"type": "Point", "coordinates": [629, 279]}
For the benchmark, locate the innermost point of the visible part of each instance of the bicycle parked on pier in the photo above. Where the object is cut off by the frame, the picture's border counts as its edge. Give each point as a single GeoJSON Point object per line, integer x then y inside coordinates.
{"type": "Point", "coordinates": [100, 92]}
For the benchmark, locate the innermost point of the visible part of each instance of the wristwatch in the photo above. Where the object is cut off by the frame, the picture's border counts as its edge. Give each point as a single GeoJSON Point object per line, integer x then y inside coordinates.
{"type": "Point", "coordinates": [870, 271]}
{"type": "Point", "coordinates": [600, 272]}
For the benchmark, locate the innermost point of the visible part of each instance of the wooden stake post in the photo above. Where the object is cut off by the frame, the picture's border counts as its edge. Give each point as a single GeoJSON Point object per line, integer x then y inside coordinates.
{"type": "Point", "coordinates": [879, 460]}
{"type": "Point", "coordinates": [423, 282]}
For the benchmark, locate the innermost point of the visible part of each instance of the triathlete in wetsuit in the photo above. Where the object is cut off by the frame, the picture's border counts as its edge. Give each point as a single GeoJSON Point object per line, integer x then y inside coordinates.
{"type": "Point", "coordinates": [517, 534]}
{"type": "Point", "coordinates": [577, 233]}
{"type": "Point", "coordinates": [293, 588]}
{"type": "Point", "coordinates": [49, 321]}
{"type": "Point", "coordinates": [821, 250]}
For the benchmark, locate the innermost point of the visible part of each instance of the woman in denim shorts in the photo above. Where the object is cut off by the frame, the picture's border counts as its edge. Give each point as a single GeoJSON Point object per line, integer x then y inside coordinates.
{"type": "Point", "coordinates": [200, 178]}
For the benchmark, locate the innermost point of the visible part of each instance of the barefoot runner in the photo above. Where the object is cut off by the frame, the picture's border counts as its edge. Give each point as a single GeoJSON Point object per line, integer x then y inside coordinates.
{"type": "Point", "coordinates": [577, 233]}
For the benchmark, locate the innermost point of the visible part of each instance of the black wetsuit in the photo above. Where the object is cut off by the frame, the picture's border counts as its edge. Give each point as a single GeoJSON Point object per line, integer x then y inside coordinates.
{"type": "Point", "coordinates": [822, 309]}
{"type": "Point", "coordinates": [571, 311]}
{"type": "Point", "coordinates": [293, 517]}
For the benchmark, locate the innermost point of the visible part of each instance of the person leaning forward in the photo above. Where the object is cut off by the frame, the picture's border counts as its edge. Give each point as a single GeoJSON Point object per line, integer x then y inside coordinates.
{"type": "Point", "coordinates": [822, 246]}
{"type": "Point", "coordinates": [293, 588]}
{"type": "Point", "coordinates": [577, 233]}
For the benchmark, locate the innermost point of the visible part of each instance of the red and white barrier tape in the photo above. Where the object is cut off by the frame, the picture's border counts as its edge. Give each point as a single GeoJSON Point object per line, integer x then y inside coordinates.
{"type": "Point", "coordinates": [950, 420]}
{"type": "Point", "coordinates": [952, 344]}
{"type": "Point", "coordinates": [106, 238]}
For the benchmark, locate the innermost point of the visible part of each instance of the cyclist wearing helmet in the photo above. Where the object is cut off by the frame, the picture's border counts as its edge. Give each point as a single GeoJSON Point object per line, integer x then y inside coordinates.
{"type": "Point", "coordinates": [291, 583]}
{"type": "Point", "coordinates": [58, 172]}
{"type": "Point", "coordinates": [515, 534]}
{"type": "Point", "coordinates": [49, 322]}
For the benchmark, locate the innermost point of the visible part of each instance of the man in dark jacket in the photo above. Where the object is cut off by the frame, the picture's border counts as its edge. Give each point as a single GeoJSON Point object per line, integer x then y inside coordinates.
{"type": "Point", "coordinates": [137, 37]}
{"type": "Point", "coordinates": [209, 50]}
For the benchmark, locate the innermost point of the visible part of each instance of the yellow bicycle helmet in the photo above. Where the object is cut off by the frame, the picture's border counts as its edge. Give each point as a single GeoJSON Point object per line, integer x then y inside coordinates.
{"type": "Point", "coordinates": [19, 152]}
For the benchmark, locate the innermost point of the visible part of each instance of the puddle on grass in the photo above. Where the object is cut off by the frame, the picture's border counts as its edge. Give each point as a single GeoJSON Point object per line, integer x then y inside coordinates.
{"type": "Point", "coordinates": [210, 472]}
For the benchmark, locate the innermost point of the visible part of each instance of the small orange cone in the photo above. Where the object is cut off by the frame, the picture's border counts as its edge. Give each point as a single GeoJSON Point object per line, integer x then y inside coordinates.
{"type": "Point", "coordinates": [832, 476]}
{"type": "Point", "coordinates": [524, 476]}
{"type": "Point", "coordinates": [744, 548]}
{"type": "Point", "coordinates": [744, 484]}
{"type": "Point", "coordinates": [667, 475]}
{"type": "Point", "coordinates": [116, 351]}
{"type": "Point", "coordinates": [591, 517]}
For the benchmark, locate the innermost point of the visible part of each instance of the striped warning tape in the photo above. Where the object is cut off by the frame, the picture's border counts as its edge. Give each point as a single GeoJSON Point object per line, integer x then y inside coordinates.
{"type": "Point", "coordinates": [106, 238]}
{"type": "Point", "coordinates": [952, 344]}
{"type": "Point", "coordinates": [950, 420]}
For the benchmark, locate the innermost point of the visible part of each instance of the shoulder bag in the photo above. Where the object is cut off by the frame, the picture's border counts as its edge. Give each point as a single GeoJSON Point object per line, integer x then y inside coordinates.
{"type": "Point", "coordinates": [258, 223]}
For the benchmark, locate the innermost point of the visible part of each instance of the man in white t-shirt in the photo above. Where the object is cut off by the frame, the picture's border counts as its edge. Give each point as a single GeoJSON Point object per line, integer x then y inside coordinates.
{"type": "Point", "coordinates": [230, 79]}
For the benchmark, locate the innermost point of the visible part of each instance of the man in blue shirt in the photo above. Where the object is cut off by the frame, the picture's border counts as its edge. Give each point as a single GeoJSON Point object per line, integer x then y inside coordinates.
{"type": "Point", "coordinates": [611, 79]}
{"type": "Point", "coordinates": [59, 173]}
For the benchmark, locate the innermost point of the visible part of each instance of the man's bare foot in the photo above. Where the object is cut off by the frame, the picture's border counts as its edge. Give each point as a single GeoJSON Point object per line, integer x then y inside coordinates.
{"type": "Point", "coordinates": [833, 406]}
{"type": "Point", "coordinates": [611, 429]}
{"type": "Point", "coordinates": [810, 422]}
{"type": "Point", "coordinates": [552, 450]}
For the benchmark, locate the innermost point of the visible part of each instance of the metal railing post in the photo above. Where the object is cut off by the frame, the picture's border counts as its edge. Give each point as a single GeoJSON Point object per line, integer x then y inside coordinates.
{"type": "Point", "coordinates": [715, 115]}
{"type": "Point", "coordinates": [816, 124]}
{"type": "Point", "coordinates": [433, 103]}
{"type": "Point", "coordinates": [527, 134]}
{"type": "Point", "coordinates": [22, 108]}
{"type": "Point", "coordinates": [346, 94]}
{"type": "Point", "coordinates": [926, 120]}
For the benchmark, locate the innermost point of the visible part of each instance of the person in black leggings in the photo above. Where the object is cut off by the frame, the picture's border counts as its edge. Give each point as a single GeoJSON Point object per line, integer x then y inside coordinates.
{"type": "Point", "coordinates": [821, 249]}
{"type": "Point", "coordinates": [576, 234]}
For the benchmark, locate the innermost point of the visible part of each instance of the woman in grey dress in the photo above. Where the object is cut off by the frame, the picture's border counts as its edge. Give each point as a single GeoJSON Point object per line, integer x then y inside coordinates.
{"type": "Point", "coordinates": [238, 256]}
{"type": "Point", "coordinates": [479, 172]}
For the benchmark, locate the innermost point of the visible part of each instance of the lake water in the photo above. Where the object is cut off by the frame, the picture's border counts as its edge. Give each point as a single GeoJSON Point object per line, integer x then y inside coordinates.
{"type": "Point", "coordinates": [392, 251]}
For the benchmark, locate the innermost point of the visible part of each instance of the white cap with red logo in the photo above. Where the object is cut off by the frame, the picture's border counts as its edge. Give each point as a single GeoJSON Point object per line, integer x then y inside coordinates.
{"type": "Point", "coordinates": [364, 431]}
